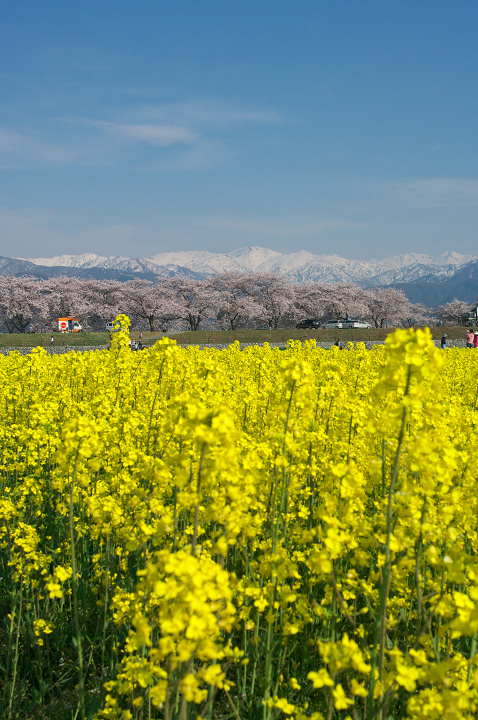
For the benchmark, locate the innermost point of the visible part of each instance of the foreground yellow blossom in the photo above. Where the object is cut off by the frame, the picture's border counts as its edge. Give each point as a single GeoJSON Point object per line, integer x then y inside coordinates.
{"type": "Point", "coordinates": [260, 533]}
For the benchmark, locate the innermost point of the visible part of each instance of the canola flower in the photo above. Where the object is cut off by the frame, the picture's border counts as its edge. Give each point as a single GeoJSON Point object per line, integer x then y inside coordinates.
{"type": "Point", "coordinates": [191, 533]}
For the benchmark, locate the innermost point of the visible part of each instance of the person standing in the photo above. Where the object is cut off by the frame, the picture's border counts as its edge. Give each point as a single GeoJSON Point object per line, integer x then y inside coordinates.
{"type": "Point", "coordinates": [475, 339]}
{"type": "Point", "coordinates": [469, 338]}
{"type": "Point", "coordinates": [443, 341]}
{"type": "Point", "coordinates": [52, 340]}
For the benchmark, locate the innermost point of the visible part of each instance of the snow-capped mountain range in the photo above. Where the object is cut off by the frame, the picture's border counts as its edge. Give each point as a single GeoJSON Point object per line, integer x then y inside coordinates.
{"type": "Point", "coordinates": [302, 266]}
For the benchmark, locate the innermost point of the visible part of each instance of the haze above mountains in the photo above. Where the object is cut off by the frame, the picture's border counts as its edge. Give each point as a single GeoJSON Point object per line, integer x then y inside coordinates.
{"type": "Point", "coordinates": [427, 279]}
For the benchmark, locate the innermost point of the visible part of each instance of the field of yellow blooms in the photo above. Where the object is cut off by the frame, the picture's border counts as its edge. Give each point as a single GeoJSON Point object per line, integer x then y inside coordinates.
{"type": "Point", "coordinates": [247, 534]}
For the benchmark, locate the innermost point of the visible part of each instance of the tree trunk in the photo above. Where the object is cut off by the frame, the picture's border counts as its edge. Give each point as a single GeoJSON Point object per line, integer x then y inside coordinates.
{"type": "Point", "coordinates": [194, 321]}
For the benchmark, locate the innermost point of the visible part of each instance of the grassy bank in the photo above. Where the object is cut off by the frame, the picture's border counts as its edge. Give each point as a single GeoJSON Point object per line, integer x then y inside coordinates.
{"type": "Point", "coordinates": [261, 336]}
{"type": "Point", "coordinates": [83, 339]}
{"type": "Point", "coordinates": [214, 337]}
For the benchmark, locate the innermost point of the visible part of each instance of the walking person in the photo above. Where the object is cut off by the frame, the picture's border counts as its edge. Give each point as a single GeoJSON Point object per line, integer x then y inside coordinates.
{"type": "Point", "coordinates": [443, 341]}
{"type": "Point", "coordinates": [469, 338]}
{"type": "Point", "coordinates": [52, 340]}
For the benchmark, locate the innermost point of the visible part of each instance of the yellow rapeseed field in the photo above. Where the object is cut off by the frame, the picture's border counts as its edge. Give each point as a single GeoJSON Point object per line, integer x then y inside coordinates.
{"type": "Point", "coordinates": [246, 534]}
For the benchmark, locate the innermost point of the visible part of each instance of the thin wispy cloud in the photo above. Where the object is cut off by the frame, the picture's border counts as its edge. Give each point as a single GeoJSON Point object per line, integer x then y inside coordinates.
{"type": "Point", "coordinates": [161, 135]}
{"type": "Point", "coordinates": [209, 132]}
{"type": "Point", "coordinates": [16, 146]}
{"type": "Point", "coordinates": [153, 134]}
{"type": "Point", "coordinates": [201, 156]}
{"type": "Point", "coordinates": [172, 123]}
{"type": "Point", "coordinates": [445, 192]}
{"type": "Point", "coordinates": [201, 135]}
{"type": "Point", "coordinates": [208, 114]}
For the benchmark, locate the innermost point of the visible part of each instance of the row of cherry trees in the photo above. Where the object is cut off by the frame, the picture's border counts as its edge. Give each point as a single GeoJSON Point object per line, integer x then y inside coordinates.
{"type": "Point", "coordinates": [227, 301]}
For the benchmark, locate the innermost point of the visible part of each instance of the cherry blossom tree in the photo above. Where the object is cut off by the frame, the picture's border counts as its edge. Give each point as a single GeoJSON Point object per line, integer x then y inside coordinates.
{"type": "Point", "coordinates": [311, 299]}
{"type": "Point", "coordinates": [273, 297]}
{"type": "Point", "coordinates": [389, 306]}
{"type": "Point", "coordinates": [418, 315]}
{"type": "Point", "coordinates": [151, 304]}
{"type": "Point", "coordinates": [105, 299]}
{"type": "Point", "coordinates": [343, 300]}
{"type": "Point", "coordinates": [21, 302]}
{"type": "Point", "coordinates": [195, 299]}
{"type": "Point", "coordinates": [66, 297]}
{"type": "Point", "coordinates": [235, 305]}
{"type": "Point", "coordinates": [232, 300]}
{"type": "Point", "coordinates": [453, 311]}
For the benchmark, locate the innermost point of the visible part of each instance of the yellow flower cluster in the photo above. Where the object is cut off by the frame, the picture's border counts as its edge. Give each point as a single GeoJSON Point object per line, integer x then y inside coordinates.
{"type": "Point", "coordinates": [201, 533]}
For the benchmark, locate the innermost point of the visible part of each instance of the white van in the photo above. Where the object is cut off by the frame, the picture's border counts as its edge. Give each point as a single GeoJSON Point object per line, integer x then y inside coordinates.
{"type": "Point", "coordinates": [351, 323]}
{"type": "Point", "coordinates": [333, 325]}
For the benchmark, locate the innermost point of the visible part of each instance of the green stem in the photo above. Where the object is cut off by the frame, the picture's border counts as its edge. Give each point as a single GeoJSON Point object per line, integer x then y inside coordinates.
{"type": "Point", "coordinates": [472, 653]}
{"type": "Point", "coordinates": [378, 650]}
{"type": "Point", "coordinates": [198, 502]}
{"type": "Point", "coordinates": [74, 583]}
{"type": "Point", "coordinates": [268, 658]}
{"type": "Point", "coordinates": [17, 641]}
{"type": "Point", "coordinates": [105, 614]}
{"type": "Point", "coordinates": [153, 406]}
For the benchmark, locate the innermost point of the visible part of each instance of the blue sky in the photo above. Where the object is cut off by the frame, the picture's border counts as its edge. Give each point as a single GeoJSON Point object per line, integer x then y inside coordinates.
{"type": "Point", "coordinates": [344, 127]}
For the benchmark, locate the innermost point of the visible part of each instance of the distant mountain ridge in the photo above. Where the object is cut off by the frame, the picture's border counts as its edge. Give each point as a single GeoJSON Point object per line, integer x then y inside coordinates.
{"type": "Point", "coordinates": [416, 273]}
{"type": "Point", "coordinates": [302, 266]}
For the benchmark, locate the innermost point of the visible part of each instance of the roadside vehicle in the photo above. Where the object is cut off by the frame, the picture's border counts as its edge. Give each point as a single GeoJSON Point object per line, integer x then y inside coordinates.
{"type": "Point", "coordinates": [68, 325]}
{"type": "Point", "coordinates": [351, 323]}
{"type": "Point", "coordinates": [470, 318]}
{"type": "Point", "coordinates": [112, 327]}
{"type": "Point", "coordinates": [308, 325]}
{"type": "Point", "coordinates": [333, 325]}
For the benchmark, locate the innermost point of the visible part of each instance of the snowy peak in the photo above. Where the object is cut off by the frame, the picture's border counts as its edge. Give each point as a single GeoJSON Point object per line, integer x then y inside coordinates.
{"type": "Point", "coordinates": [301, 266]}
{"type": "Point", "coordinates": [79, 261]}
{"type": "Point", "coordinates": [454, 258]}
{"type": "Point", "coordinates": [252, 257]}
{"type": "Point", "coordinates": [197, 260]}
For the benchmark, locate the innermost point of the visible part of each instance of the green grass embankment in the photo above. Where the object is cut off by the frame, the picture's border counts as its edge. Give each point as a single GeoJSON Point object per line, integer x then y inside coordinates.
{"type": "Point", "coordinates": [226, 337]}
{"type": "Point", "coordinates": [83, 339]}
{"type": "Point", "coordinates": [214, 337]}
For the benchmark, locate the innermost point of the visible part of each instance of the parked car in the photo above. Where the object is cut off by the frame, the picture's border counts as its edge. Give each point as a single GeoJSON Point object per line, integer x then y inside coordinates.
{"type": "Point", "coordinates": [351, 323]}
{"type": "Point", "coordinates": [308, 325]}
{"type": "Point", "coordinates": [333, 325]}
{"type": "Point", "coordinates": [111, 326]}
